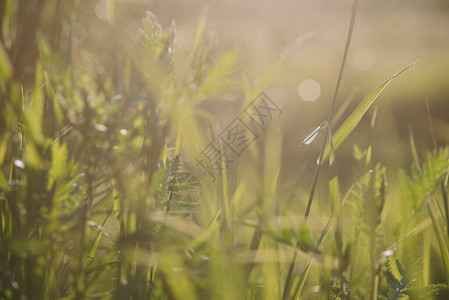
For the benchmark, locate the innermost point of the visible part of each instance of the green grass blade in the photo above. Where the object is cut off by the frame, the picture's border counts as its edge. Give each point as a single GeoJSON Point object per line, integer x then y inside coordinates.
{"type": "Point", "coordinates": [302, 279]}
{"type": "Point", "coordinates": [94, 245]}
{"type": "Point", "coordinates": [442, 241]}
{"type": "Point", "coordinates": [288, 281]}
{"type": "Point", "coordinates": [201, 238]}
{"type": "Point", "coordinates": [3, 146]}
{"type": "Point", "coordinates": [446, 205]}
{"type": "Point", "coordinates": [324, 147]}
{"type": "Point", "coordinates": [351, 122]}
{"type": "Point", "coordinates": [6, 70]}
{"type": "Point", "coordinates": [345, 55]}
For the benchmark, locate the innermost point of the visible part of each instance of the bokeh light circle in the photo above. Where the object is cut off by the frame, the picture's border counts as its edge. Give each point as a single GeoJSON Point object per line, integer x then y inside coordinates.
{"type": "Point", "coordinates": [309, 90]}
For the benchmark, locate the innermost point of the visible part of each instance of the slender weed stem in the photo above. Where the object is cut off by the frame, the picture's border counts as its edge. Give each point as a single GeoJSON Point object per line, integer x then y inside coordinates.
{"type": "Point", "coordinates": [287, 286]}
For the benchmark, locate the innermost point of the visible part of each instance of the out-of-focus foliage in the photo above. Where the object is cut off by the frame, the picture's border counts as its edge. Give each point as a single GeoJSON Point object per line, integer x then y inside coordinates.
{"type": "Point", "coordinates": [99, 198]}
{"type": "Point", "coordinates": [84, 157]}
{"type": "Point", "coordinates": [422, 183]}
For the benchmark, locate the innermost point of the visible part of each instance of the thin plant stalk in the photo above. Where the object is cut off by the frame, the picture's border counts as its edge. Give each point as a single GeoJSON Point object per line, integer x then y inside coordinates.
{"type": "Point", "coordinates": [174, 170]}
{"type": "Point", "coordinates": [443, 189]}
{"type": "Point", "coordinates": [318, 167]}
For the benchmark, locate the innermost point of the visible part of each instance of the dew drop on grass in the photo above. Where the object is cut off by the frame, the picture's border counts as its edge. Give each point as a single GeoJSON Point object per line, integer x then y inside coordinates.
{"type": "Point", "coordinates": [19, 164]}
{"type": "Point", "coordinates": [100, 127]}
{"type": "Point", "coordinates": [117, 98]}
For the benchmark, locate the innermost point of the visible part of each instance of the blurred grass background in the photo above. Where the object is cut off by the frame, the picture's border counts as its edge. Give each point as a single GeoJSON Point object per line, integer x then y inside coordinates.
{"type": "Point", "coordinates": [387, 36]}
{"type": "Point", "coordinates": [310, 37]}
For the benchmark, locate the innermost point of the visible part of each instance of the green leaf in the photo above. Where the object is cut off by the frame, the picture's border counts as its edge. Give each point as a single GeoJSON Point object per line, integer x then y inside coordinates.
{"type": "Point", "coordinates": [305, 240]}
{"type": "Point", "coordinates": [358, 153]}
{"type": "Point", "coordinates": [94, 245]}
{"type": "Point", "coordinates": [5, 66]}
{"type": "Point", "coordinates": [401, 269]}
{"type": "Point", "coordinates": [441, 236]}
{"type": "Point", "coordinates": [58, 165]}
{"type": "Point", "coordinates": [35, 111]}
{"type": "Point", "coordinates": [424, 292]}
{"type": "Point", "coordinates": [214, 226]}
{"type": "Point", "coordinates": [217, 77]}
{"type": "Point", "coordinates": [392, 281]}
{"type": "Point", "coordinates": [3, 146]}
{"type": "Point", "coordinates": [422, 183]}
{"type": "Point", "coordinates": [302, 279]}
{"type": "Point", "coordinates": [351, 122]}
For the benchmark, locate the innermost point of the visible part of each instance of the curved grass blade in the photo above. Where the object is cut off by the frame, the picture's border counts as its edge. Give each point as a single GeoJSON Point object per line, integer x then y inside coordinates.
{"type": "Point", "coordinates": [318, 167]}
{"type": "Point", "coordinates": [6, 69]}
{"type": "Point", "coordinates": [353, 120]}
{"type": "Point", "coordinates": [442, 240]}
{"type": "Point", "coordinates": [302, 279]}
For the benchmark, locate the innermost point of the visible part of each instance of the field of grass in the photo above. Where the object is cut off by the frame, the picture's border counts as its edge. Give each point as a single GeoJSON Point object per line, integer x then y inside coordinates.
{"type": "Point", "coordinates": [143, 161]}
